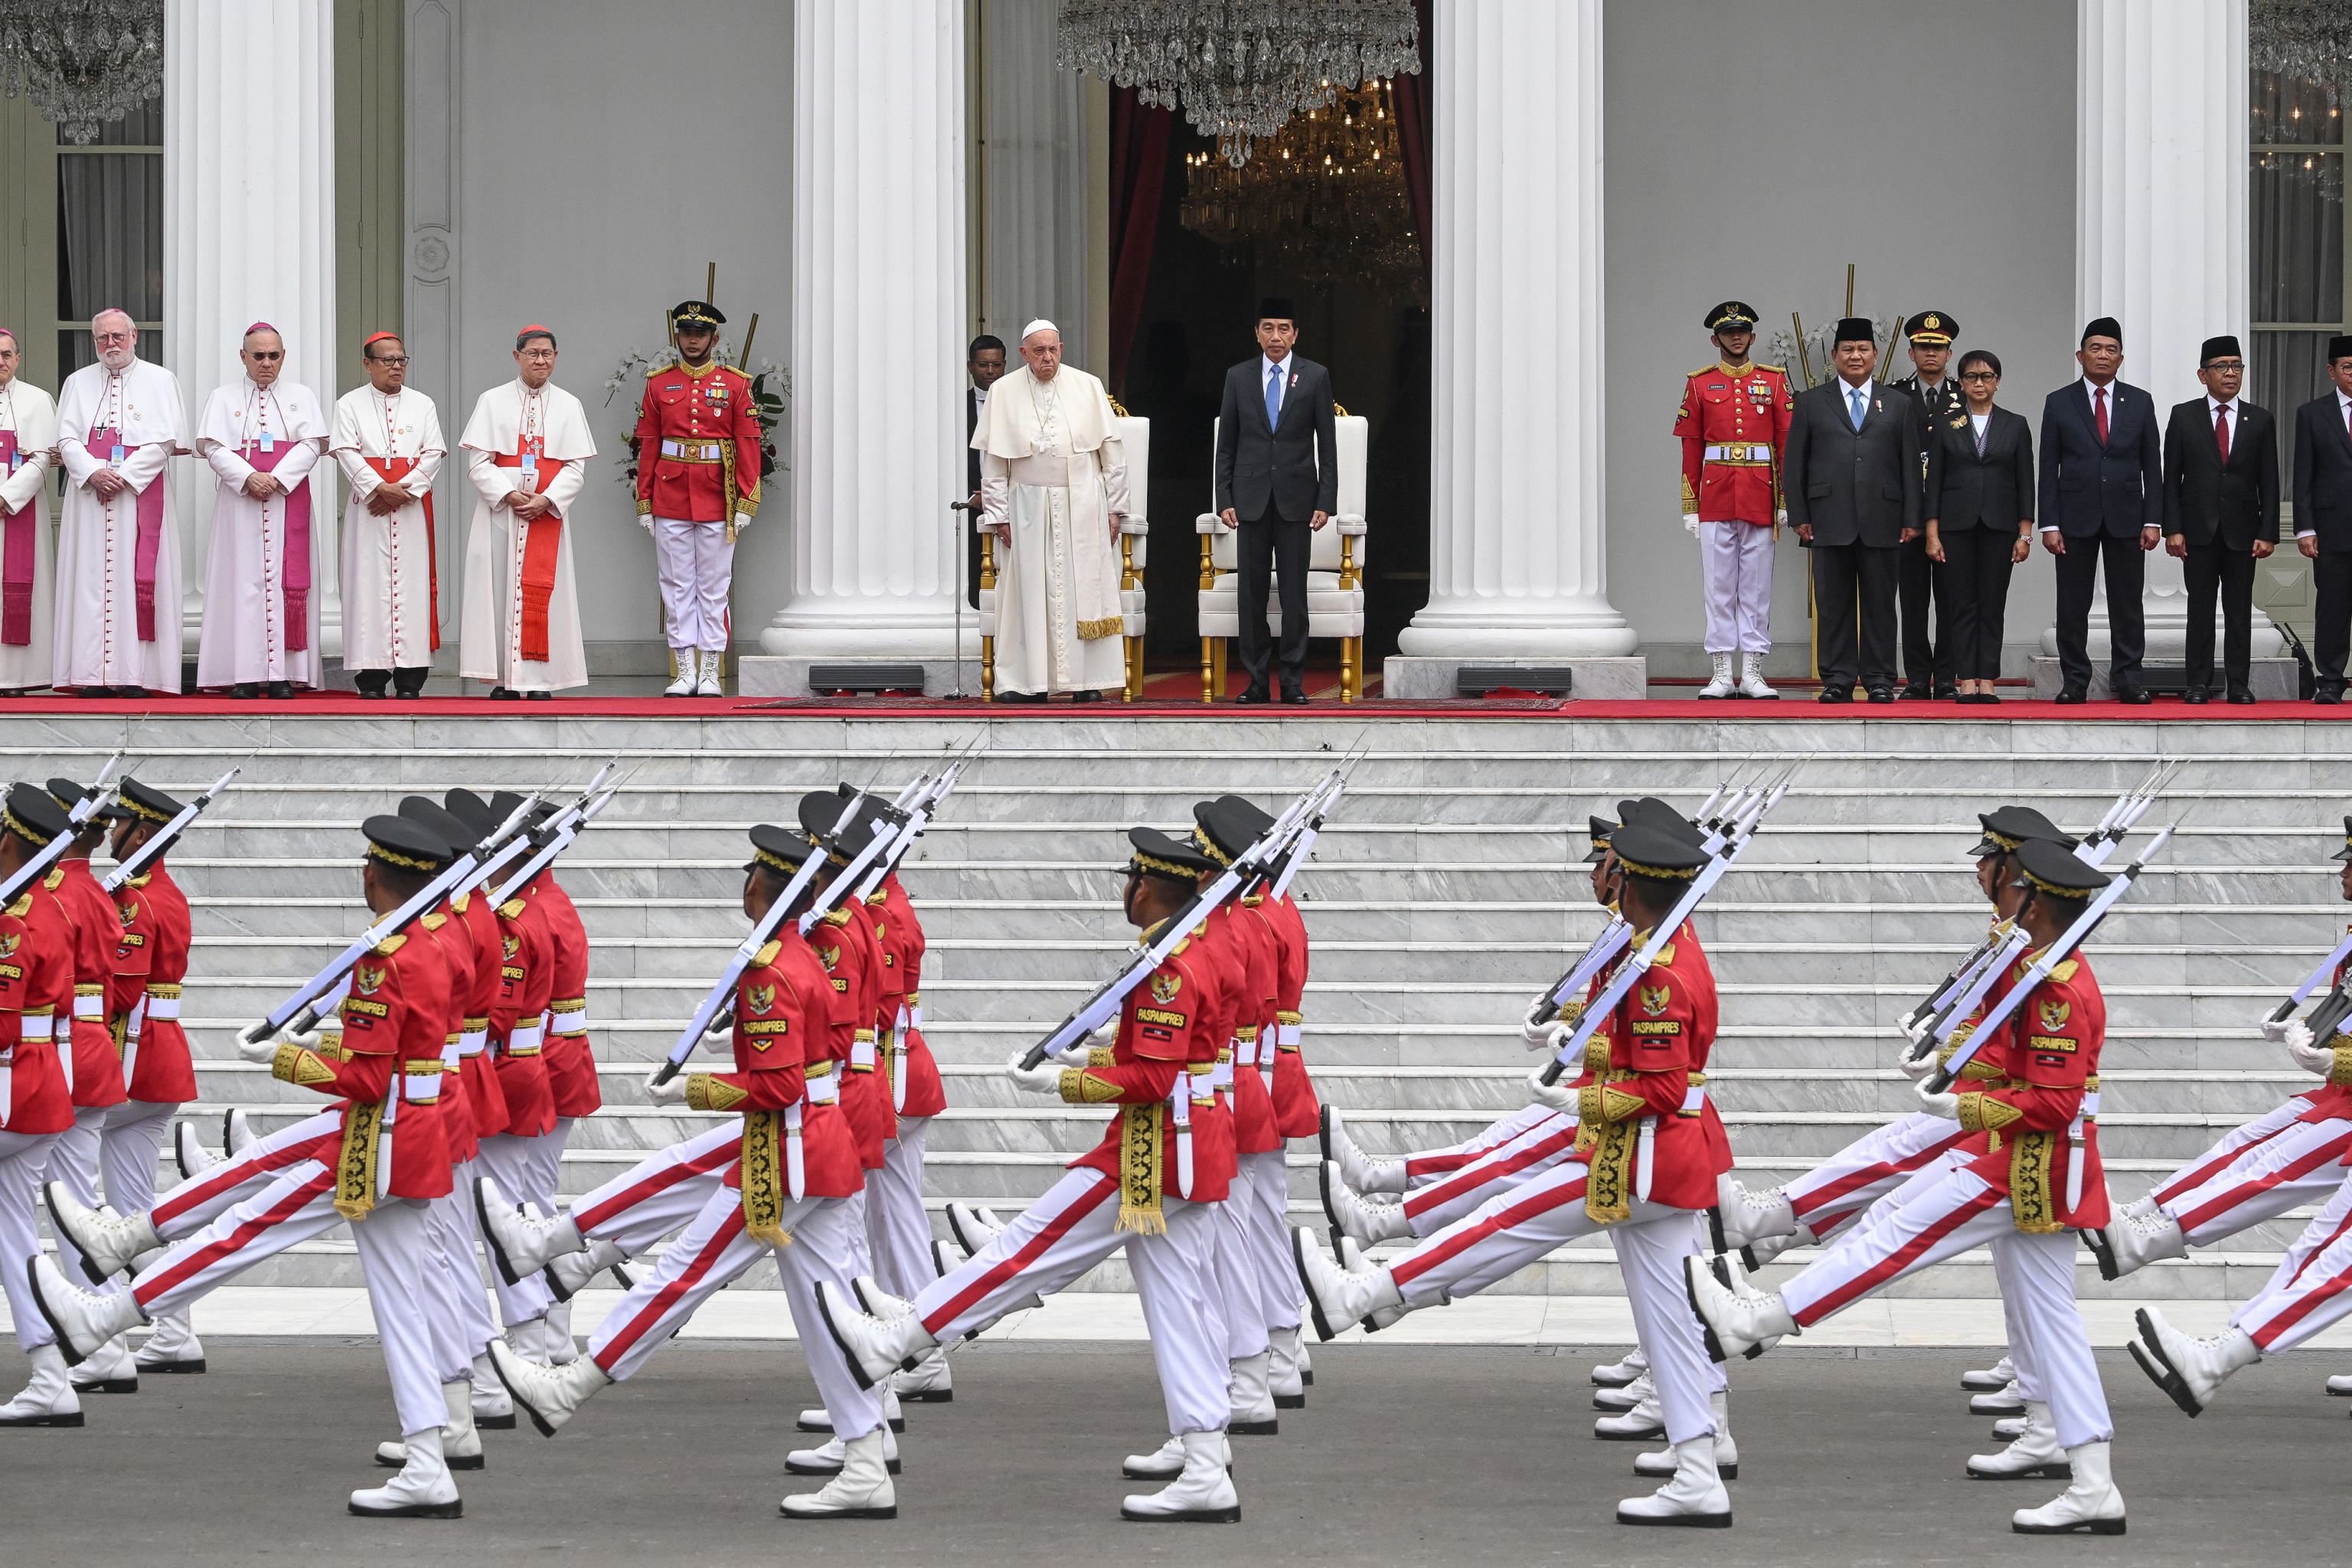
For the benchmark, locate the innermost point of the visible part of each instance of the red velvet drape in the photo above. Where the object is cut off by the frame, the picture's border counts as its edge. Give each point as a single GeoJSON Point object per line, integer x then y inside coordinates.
{"type": "Point", "coordinates": [1411, 96]}
{"type": "Point", "coordinates": [1138, 173]}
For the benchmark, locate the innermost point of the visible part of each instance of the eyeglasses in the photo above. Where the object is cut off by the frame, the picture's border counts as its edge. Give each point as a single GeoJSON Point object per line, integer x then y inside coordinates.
{"type": "Point", "coordinates": [387, 359]}
{"type": "Point", "coordinates": [1978, 376]}
{"type": "Point", "coordinates": [265, 358]}
{"type": "Point", "coordinates": [2225, 365]}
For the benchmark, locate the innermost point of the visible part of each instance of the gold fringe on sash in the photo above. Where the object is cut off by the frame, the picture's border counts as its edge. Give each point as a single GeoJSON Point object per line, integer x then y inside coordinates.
{"type": "Point", "coordinates": [1139, 1152]}
{"type": "Point", "coordinates": [763, 1177]}
{"type": "Point", "coordinates": [1609, 1183]}
{"type": "Point", "coordinates": [355, 1163]}
{"type": "Point", "coordinates": [2032, 1197]}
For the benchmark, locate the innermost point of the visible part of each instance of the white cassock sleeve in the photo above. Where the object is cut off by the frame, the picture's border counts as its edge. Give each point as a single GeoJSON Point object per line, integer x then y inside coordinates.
{"type": "Point", "coordinates": [145, 464]}
{"type": "Point", "coordinates": [565, 487]}
{"type": "Point", "coordinates": [491, 482]}
{"type": "Point", "coordinates": [227, 461]}
{"type": "Point", "coordinates": [26, 482]}
{"type": "Point", "coordinates": [345, 445]}
{"type": "Point", "coordinates": [996, 489]}
{"type": "Point", "coordinates": [1114, 474]}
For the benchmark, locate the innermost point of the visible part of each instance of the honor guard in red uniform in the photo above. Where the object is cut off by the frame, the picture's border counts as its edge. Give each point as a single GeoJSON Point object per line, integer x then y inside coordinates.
{"type": "Point", "coordinates": [381, 1061]}
{"type": "Point", "coordinates": [697, 489]}
{"type": "Point", "coordinates": [1733, 420]}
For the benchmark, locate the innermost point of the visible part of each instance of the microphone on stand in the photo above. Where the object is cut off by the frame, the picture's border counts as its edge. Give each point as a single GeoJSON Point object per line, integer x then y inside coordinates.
{"type": "Point", "coordinates": [959, 694]}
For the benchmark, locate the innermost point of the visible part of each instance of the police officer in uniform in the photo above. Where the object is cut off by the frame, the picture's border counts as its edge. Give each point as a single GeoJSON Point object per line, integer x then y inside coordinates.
{"type": "Point", "coordinates": [1927, 656]}
{"type": "Point", "coordinates": [1733, 420]}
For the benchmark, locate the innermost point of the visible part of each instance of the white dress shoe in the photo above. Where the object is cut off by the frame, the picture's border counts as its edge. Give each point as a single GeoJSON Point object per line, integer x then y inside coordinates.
{"type": "Point", "coordinates": [48, 1400]}
{"type": "Point", "coordinates": [684, 659]}
{"type": "Point", "coordinates": [83, 1320]}
{"type": "Point", "coordinates": [816, 1418]}
{"type": "Point", "coordinates": [1664, 1462]}
{"type": "Point", "coordinates": [1639, 1425]}
{"type": "Point", "coordinates": [862, 1490]}
{"type": "Point", "coordinates": [928, 1382]}
{"type": "Point", "coordinates": [107, 1241]}
{"type": "Point", "coordinates": [568, 1273]}
{"type": "Point", "coordinates": [1618, 1373]}
{"type": "Point", "coordinates": [108, 1369]}
{"type": "Point", "coordinates": [2033, 1455]}
{"type": "Point", "coordinates": [422, 1489]}
{"type": "Point", "coordinates": [828, 1458]}
{"type": "Point", "coordinates": [461, 1445]}
{"type": "Point", "coordinates": [875, 1348]}
{"type": "Point", "coordinates": [1733, 1323]}
{"type": "Point", "coordinates": [1359, 1170]}
{"type": "Point", "coordinates": [2006, 1400]}
{"type": "Point", "coordinates": [1203, 1492]}
{"type": "Point", "coordinates": [1695, 1496]}
{"type": "Point", "coordinates": [236, 1131]}
{"type": "Point", "coordinates": [521, 1244]}
{"type": "Point", "coordinates": [1166, 1462]}
{"type": "Point", "coordinates": [1287, 1372]}
{"type": "Point", "coordinates": [1369, 1221]}
{"type": "Point", "coordinates": [193, 1158]}
{"type": "Point", "coordinates": [1249, 1398]}
{"type": "Point", "coordinates": [1339, 1299]}
{"type": "Point", "coordinates": [1620, 1399]}
{"type": "Point", "coordinates": [1721, 685]}
{"type": "Point", "coordinates": [709, 684]}
{"type": "Point", "coordinates": [549, 1395]}
{"type": "Point", "coordinates": [2000, 1374]}
{"type": "Point", "coordinates": [2091, 1502]}
{"type": "Point", "coordinates": [2190, 1370]}
{"type": "Point", "coordinates": [1750, 1217]}
{"type": "Point", "coordinates": [1751, 677]}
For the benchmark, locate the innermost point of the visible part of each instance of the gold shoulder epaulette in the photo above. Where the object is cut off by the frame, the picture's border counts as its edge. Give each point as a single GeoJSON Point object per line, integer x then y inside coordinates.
{"type": "Point", "coordinates": [766, 955]}
{"type": "Point", "coordinates": [1775, 369]}
{"type": "Point", "coordinates": [877, 896]}
{"type": "Point", "coordinates": [512, 908]}
{"type": "Point", "coordinates": [54, 880]}
{"type": "Point", "coordinates": [391, 944]}
{"type": "Point", "coordinates": [434, 921]}
{"type": "Point", "coordinates": [1666, 954]}
{"type": "Point", "coordinates": [1710, 365]}
{"type": "Point", "coordinates": [2063, 970]}
{"type": "Point", "coordinates": [460, 901]}
{"type": "Point", "coordinates": [837, 917]}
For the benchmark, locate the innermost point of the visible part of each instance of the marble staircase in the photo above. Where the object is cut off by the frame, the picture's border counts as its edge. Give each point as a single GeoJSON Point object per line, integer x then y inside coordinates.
{"type": "Point", "coordinates": [1443, 896]}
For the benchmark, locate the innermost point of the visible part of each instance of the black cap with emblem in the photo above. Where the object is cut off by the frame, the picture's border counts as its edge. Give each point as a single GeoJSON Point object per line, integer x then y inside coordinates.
{"type": "Point", "coordinates": [778, 849]}
{"type": "Point", "coordinates": [67, 794]}
{"type": "Point", "coordinates": [472, 810]}
{"type": "Point", "coordinates": [1731, 316]}
{"type": "Point", "coordinates": [453, 828]}
{"type": "Point", "coordinates": [1598, 829]}
{"type": "Point", "coordinates": [1931, 329]}
{"type": "Point", "coordinates": [2054, 871]}
{"type": "Point", "coordinates": [1655, 854]}
{"type": "Point", "coordinates": [1156, 854]}
{"type": "Point", "coordinates": [2010, 826]}
{"type": "Point", "coordinates": [406, 845]}
{"type": "Point", "coordinates": [1651, 811]}
{"type": "Point", "coordinates": [136, 802]}
{"type": "Point", "coordinates": [1221, 833]}
{"type": "Point", "coordinates": [821, 808]}
{"type": "Point", "coordinates": [695, 316]}
{"type": "Point", "coordinates": [33, 814]}
{"type": "Point", "coordinates": [2344, 853]}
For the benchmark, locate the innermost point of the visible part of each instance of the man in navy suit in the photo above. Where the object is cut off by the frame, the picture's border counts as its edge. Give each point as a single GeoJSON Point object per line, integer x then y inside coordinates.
{"type": "Point", "coordinates": [1278, 483]}
{"type": "Point", "coordinates": [2102, 499]}
{"type": "Point", "coordinates": [2322, 515]}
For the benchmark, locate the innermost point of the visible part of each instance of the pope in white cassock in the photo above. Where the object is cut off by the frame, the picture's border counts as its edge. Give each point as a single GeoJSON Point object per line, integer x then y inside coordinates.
{"type": "Point", "coordinates": [1053, 487]}
{"type": "Point", "coordinates": [29, 428]}
{"type": "Point", "coordinates": [527, 451]}
{"type": "Point", "coordinates": [388, 441]}
{"type": "Point", "coordinates": [261, 436]}
{"type": "Point", "coordinates": [119, 422]}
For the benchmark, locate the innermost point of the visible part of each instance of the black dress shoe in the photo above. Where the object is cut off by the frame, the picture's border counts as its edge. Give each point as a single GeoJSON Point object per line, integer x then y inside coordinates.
{"type": "Point", "coordinates": [2135, 697]}
{"type": "Point", "coordinates": [281, 691]}
{"type": "Point", "coordinates": [1882, 694]}
{"type": "Point", "coordinates": [502, 694]}
{"type": "Point", "coordinates": [130, 691]}
{"type": "Point", "coordinates": [541, 696]}
{"type": "Point", "coordinates": [370, 693]}
{"type": "Point", "coordinates": [2072, 696]}
{"type": "Point", "coordinates": [1253, 694]}
{"type": "Point", "coordinates": [1917, 690]}
{"type": "Point", "coordinates": [245, 690]}
{"type": "Point", "coordinates": [1085, 696]}
{"type": "Point", "coordinates": [1947, 689]}
{"type": "Point", "coordinates": [2242, 698]}
{"type": "Point", "coordinates": [1983, 696]}
{"type": "Point", "coordinates": [2329, 696]}
{"type": "Point", "coordinates": [2195, 694]}
{"type": "Point", "coordinates": [1295, 699]}
{"type": "Point", "coordinates": [1837, 694]}
{"type": "Point", "coordinates": [1021, 697]}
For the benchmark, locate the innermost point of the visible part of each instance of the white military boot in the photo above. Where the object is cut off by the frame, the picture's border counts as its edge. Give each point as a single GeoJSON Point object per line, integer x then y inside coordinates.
{"type": "Point", "coordinates": [173, 1347]}
{"type": "Point", "coordinates": [2340, 1385]}
{"type": "Point", "coordinates": [549, 1395]}
{"type": "Point", "coordinates": [1166, 1462]}
{"type": "Point", "coordinates": [48, 1400]}
{"type": "Point", "coordinates": [1733, 1323]}
{"type": "Point", "coordinates": [1666, 1462]}
{"type": "Point", "coordinates": [236, 1131]}
{"type": "Point", "coordinates": [709, 684]}
{"type": "Point", "coordinates": [1287, 1372]}
{"type": "Point", "coordinates": [1203, 1492]}
{"type": "Point", "coordinates": [875, 1348]}
{"type": "Point", "coordinates": [1721, 685]}
{"type": "Point", "coordinates": [828, 1458]}
{"type": "Point", "coordinates": [193, 1158]}
{"type": "Point", "coordinates": [2000, 1374]}
{"type": "Point", "coordinates": [568, 1273]}
{"type": "Point", "coordinates": [108, 1369]}
{"type": "Point", "coordinates": [1618, 1373]}
{"type": "Point", "coordinates": [2006, 1400]}
{"type": "Point", "coordinates": [1695, 1496]}
{"type": "Point", "coordinates": [1339, 1299]}
{"type": "Point", "coordinates": [2090, 1503]}
{"type": "Point", "coordinates": [461, 1446]}
{"type": "Point", "coordinates": [1626, 1395]}
{"type": "Point", "coordinates": [492, 1405]}
{"type": "Point", "coordinates": [1750, 1217]}
{"type": "Point", "coordinates": [973, 1228]}
{"type": "Point", "coordinates": [2190, 1370]}
{"type": "Point", "coordinates": [2033, 1455]}
{"type": "Point", "coordinates": [682, 685]}
{"type": "Point", "coordinates": [1369, 1221]}
{"type": "Point", "coordinates": [83, 1320]}
{"type": "Point", "coordinates": [862, 1490]}
{"type": "Point", "coordinates": [928, 1382]}
{"type": "Point", "coordinates": [555, 1335]}
{"type": "Point", "coordinates": [108, 1241]}
{"type": "Point", "coordinates": [1751, 677]}
{"type": "Point", "coordinates": [2128, 1243]}
{"type": "Point", "coordinates": [521, 1243]}
{"type": "Point", "coordinates": [817, 1419]}
{"type": "Point", "coordinates": [1639, 1425]}
{"type": "Point", "coordinates": [1250, 1399]}
{"type": "Point", "coordinates": [422, 1489]}
{"type": "Point", "coordinates": [2009, 1428]}
{"type": "Point", "coordinates": [1359, 1170]}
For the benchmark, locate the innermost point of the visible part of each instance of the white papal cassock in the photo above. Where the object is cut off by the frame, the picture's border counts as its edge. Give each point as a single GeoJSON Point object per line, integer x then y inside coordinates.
{"type": "Point", "coordinates": [1052, 465]}
{"type": "Point", "coordinates": [29, 428]}
{"type": "Point", "coordinates": [118, 561]}
{"type": "Point", "coordinates": [261, 593]}
{"type": "Point", "coordinates": [521, 625]}
{"type": "Point", "coordinates": [391, 575]}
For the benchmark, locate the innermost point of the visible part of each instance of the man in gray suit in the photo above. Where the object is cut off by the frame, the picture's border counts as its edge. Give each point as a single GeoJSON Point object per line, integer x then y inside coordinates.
{"type": "Point", "coordinates": [1850, 473]}
{"type": "Point", "coordinates": [1278, 482]}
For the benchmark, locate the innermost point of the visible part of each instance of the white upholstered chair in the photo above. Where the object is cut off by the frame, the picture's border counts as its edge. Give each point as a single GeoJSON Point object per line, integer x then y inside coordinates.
{"type": "Point", "coordinates": [1135, 529]}
{"type": "Point", "coordinates": [1334, 580]}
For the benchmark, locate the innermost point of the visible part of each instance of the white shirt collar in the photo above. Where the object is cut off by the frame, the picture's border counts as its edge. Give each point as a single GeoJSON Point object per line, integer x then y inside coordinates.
{"type": "Point", "coordinates": [1267, 367]}
{"type": "Point", "coordinates": [2214, 406]}
{"type": "Point", "coordinates": [2091, 391]}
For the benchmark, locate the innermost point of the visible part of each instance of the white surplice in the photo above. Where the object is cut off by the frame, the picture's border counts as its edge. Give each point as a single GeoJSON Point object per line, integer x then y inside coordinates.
{"type": "Point", "coordinates": [492, 626]}
{"type": "Point", "coordinates": [247, 562]}
{"type": "Point", "coordinates": [28, 410]}
{"type": "Point", "coordinates": [1053, 467]}
{"type": "Point", "coordinates": [97, 640]}
{"type": "Point", "coordinates": [387, 562]}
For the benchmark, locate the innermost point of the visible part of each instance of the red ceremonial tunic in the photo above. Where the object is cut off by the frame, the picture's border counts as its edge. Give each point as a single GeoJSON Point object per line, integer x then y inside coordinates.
{"type": "Point", "coordinates": [783, 1044]}
{"type": "Point", "coordinates": [902, 936]}
{"type": "Point", "coordinates": [97, 1058]}
{"type": "Point", "coordinates": [519, 1018]}
{"type": "Point", "coordinates": [1743, 416]}
{"type": "Point", "coordinates": [1221, 967]}
{"type": "Point", "coordinates": [570, 1064]}
{"type": "Point", "coordinates": [1641, 1060]}
{"type": "Point", "coordinates": [151, 965]}
{"type": "Point", "coordinates": [1254, 1122]}
{"type": "Point", "coordinates": [2045, 1099]}
{"type": "Point", "coordinates": [486, 1101]}
{"type": "Point", "coordinates": [1297, 1111]}
{"type": "Point", "coordinates": [1167, 1030]}
{"type": "Point", "coordinates": [385, 1067]}
{"type": "Point", "coordinates": [697, 445]}
{"type": "Point", "coordinates": [454, 946]}
{"type": "Point", "coordinates": [37, 987]}
{"type": "Point", "coordinates": [844, 943]}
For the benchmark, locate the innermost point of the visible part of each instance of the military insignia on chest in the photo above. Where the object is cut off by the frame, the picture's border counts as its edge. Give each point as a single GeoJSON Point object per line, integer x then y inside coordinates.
{"type": "Point", "coordinates": [2054, 1014]}
{"type": "Point", "coordinates": [828, 956]}
{"type": "Point", "coordinates": [8, 940]}
{"type": "Point", "coordinates": [128, 914]}
{"type": "Point", "coordinates": [367, 978]}
{"type": "Point", "coordinates": [1165, 985]}
{"type": "Point", "coordinates": [1655, 999]}
{"type": "Point", "coordinates": [759, 998]}
{"type": "Point", "coordinates": [509, 943]}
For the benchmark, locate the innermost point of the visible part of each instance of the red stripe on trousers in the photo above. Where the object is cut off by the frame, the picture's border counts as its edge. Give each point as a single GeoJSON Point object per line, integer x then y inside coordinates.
{"type": "Point", "coordinates": [659, 1182]}
{"type": "Point", "coordinates": [1435, 1164]}
{"type": "Point", "coordinates": [1471, 1178]}
{"type": "Point", "coordinates": [2307, 1303]}
{"type": "Point", "coordinates": [2190, 1180]}
{"type": "Point", "coordinates": [1856, 1181]}
{"type": "Point", "coordinates": [1027, 1253]}
{"type": "Point", "coordinates": [1887, 1268]}
{"type": "Point", "coordinates": [2327, 1153]}
{"type": "Point", "coordinates": [2334, 1237]}
{"type": "Point", "coordinates": [666, 1298]}
{"type": "Point", "coordinates": [1421, 1260]}
{"type": "Point", "coordinates": [236, 1173]}
{"type": "Point", "coordinates": [157, 1281]}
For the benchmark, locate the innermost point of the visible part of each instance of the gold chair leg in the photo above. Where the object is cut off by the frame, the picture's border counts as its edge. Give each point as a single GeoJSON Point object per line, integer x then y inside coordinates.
{"type": "Point", "coordinates": [1224, 673]}
{"type": "Point", "coordinates": [988, 669]}
{"type": "Point", "coordinates": [1205, 676]}
{"type": "Point", "coordinates": [1134, 689]}
{"type": "Point", "coordinates": [1351, 669]}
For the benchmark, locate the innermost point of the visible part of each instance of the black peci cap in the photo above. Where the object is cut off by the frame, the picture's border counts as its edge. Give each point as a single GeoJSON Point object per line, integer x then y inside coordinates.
{"type": "Point", "coordinates": [33, 814]}
{"type": "Point", "coordinates": [2105, 327]}
{"type": "Point", "coordinates": [408, 844]}
{"type": "Point", "coordinates": [2223, 347]}
{"type": "Point", "coordinates": [1855, 329]}
{"type": "Point", "coordinates": [1156, 854]}
{"type": "Point", "coordinates": [2339, 347]}
{"type": "Point", "coordinates": [1278, 307]}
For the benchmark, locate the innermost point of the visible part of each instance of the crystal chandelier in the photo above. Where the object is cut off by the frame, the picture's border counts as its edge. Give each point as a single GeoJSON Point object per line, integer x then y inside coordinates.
{"type": "Point", "coordinates": [1238, 69]}
{"type": "Point", "coordinates": [2310, 39]}
{"type": "Point", "coordinates": [84, 62]}
{"type": "Point", "coordinates": [1324, 200]}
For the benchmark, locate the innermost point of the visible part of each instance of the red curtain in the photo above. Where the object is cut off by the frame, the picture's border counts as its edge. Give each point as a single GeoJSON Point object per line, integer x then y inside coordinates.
{"type": "Point", "coordinates": [1138, 173]}
{"type": "Point", "coordinates": [1411, 99]}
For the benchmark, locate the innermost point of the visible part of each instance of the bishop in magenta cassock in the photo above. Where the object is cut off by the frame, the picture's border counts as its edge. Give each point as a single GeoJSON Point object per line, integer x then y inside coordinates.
{"type": "Point", "coordinates": [120, 421]}
{"type": "Point", "coordinates": [262, 436]}
{"type": "Point", "coordinates": [28, 429]}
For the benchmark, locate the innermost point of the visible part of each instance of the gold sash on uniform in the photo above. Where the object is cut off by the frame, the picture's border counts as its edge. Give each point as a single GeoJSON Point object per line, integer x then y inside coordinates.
{"type": "Point", "coordinates": [2032, 1202]}
{"type": "Point", "coordinates": [1140, 1155]}
{"type": "Point", "coordinates": [763, 1176]}
{"type": "Point", "coordinates": [1609, 1181]}
{"type": "Point", "coordinates": [355, 1163]}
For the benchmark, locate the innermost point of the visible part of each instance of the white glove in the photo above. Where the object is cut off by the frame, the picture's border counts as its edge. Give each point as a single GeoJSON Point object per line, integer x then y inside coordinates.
{"type": "Point", "coordinates": [1040, 1080]}
{"type": "Point", "coordinates": [722, 1026]}
{"type": "Point", "coordinates": [645, 520]}
{"type": "Point", "coordinates": [2310, 1056]}
{"type": "Point", "coordinates": [742, 522]}
{"type": "Point", "coordinates": [1540, 1037]}
{"type": "Point", "coordinates": [1075, 1056]}
{"type": "Point", "coordinates": [1690, 524]}
{"type": "Point", "coordinates": [2274, 1030]}
{"type": "Point", "coordinates": [264, 1049]}
{"type": "Point", "coordinates": [1559, 1095]}
{"type": "Point", "coordinates": [1946, 1106]}
{"type": "Point", "coordinates": [1915, 1067]}
{"type": "Point", "coordinates": [671, 1093]}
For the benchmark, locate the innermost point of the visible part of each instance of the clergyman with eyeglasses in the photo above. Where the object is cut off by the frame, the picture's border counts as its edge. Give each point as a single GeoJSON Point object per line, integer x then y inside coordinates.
{"type": "Point", "coordinates": [388, 442]}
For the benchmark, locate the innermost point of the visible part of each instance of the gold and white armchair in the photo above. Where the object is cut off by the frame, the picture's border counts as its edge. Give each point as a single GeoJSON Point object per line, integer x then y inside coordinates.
{"type": "Point", "coordinates": [1334, 575]}
{"type": "Point", "coordinates": [1135, 532]}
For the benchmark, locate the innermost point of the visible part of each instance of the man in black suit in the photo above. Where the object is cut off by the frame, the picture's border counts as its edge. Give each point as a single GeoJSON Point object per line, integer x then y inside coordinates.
{"type": "Point", "coordinates": [1278, 482]}
{"type": "Point", "coordinates": [2102, 499]}
{"type": "Point", "coordinates": [1851, 475]}
{"type": "Point", "coordinates": [2220, 513]}
{"type": "Point", "coordinates": [2322, 515]}
{"type": "Point", "coordinates": [1927, 656]}
{"type": "Point", "coordinates": [983, 362]}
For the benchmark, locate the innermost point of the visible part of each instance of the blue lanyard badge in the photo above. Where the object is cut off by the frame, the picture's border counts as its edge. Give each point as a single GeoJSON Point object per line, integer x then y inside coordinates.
{"type": "Point", "coordinates": [119, 454]}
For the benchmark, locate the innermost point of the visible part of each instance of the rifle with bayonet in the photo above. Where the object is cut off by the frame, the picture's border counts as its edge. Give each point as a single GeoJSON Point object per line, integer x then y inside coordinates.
{"type": "Point", "coordinates": [78, 816]}
{"type": "Point", "coordinates": [147, 854]}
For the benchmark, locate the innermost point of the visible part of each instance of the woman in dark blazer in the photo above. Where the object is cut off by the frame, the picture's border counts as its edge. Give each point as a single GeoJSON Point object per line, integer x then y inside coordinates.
{"type": "Point", "coordinates": [1980, 519]}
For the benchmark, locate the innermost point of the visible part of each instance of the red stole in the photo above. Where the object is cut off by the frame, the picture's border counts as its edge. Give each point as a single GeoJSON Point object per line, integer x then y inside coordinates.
{"type": "Point", "coordinates": [296, 575]}
{"type": "Point", "coordinates": [390, 470]}
{"type": "Point", "coordinates": [15, 558]}
{"type": "Point", "coordinates": [150, 536]}
{"type": "Point", "coordinates": [538, 577]}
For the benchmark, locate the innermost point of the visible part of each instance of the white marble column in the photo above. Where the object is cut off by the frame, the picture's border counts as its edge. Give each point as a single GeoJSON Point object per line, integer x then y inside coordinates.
{"type": "Point", "coordinates": [879, 323]}
{"type": "Point", "coordinates": [2161, 225]}
{"type": "Point", "coordinates": [249, 232]}
{"type": "Point", "coordinates": [1518, 554]}
{"type": "Point", "coordinates": [1032, 181]}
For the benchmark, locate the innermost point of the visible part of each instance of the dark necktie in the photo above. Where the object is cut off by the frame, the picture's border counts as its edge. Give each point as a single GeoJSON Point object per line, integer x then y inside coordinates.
{"type": "Point", "coordinates": [2222, 430]}
{"type": "Point", "coordinates": [2099, 411]}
